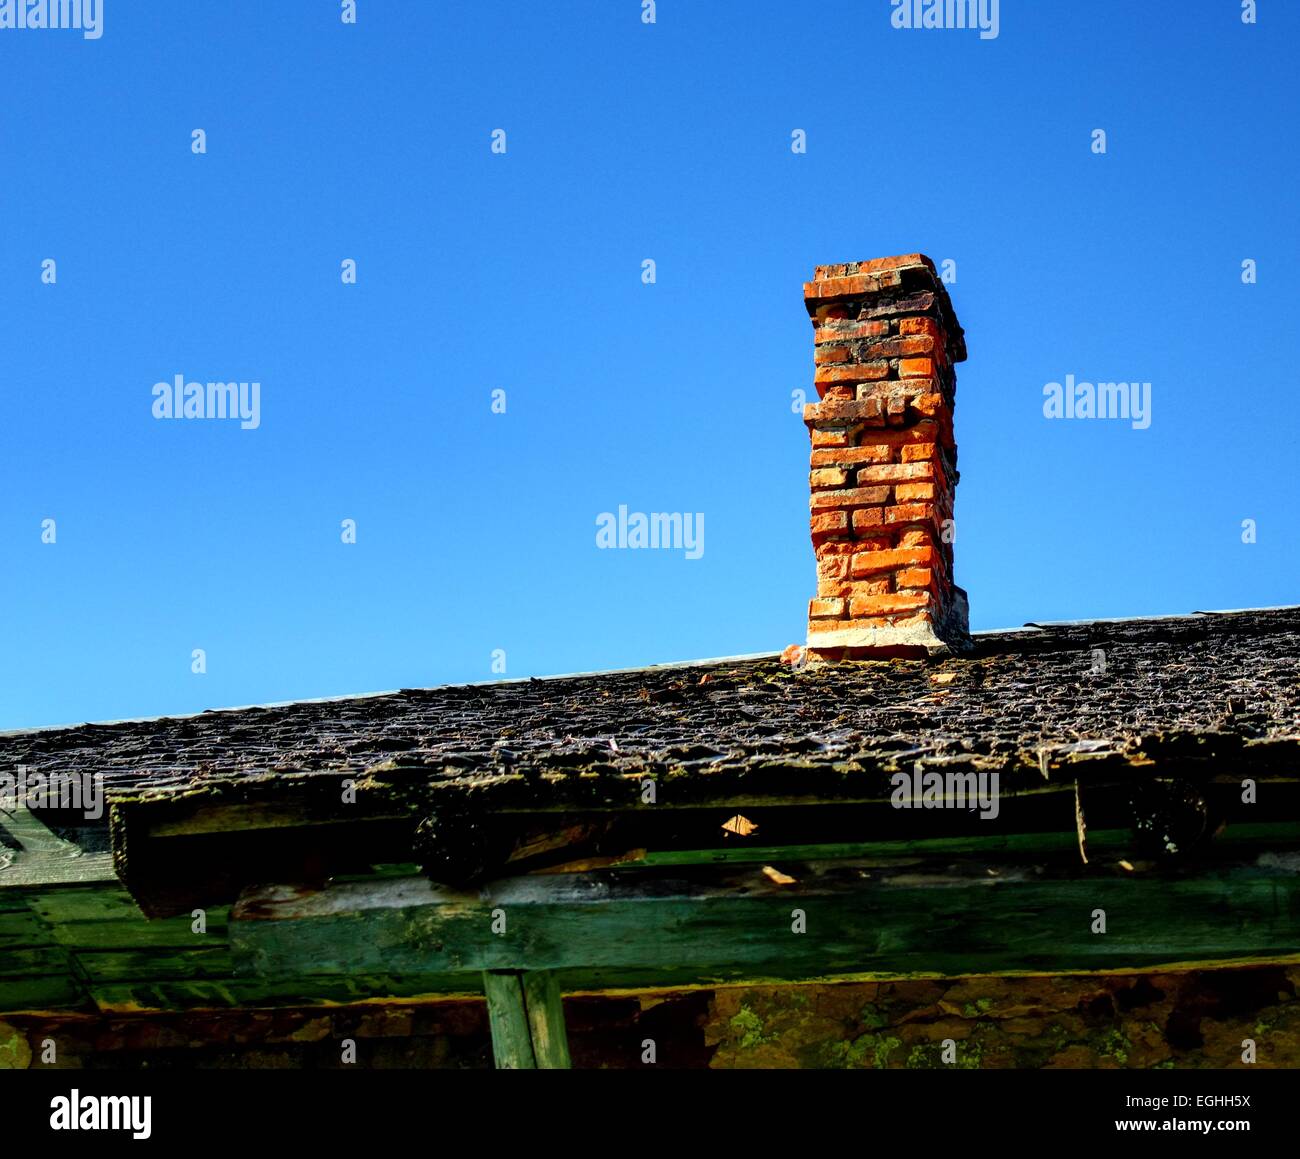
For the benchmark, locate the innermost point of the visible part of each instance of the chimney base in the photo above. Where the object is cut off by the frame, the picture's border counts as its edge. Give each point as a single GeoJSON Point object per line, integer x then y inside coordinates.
{"type": "Point", "coordinates": [917, 639]}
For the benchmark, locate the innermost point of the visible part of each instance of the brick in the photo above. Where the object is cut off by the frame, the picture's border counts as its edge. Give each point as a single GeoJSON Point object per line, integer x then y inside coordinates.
{"type": "Point", "coordinates": [915, 577]}
{"type": "Point", "coordinates": [868, 413]}
{"type": "Point", "coordinates": [896, 348]}
{"type": "Point", "coordinates": [818, 608]}
{"type": "Point", "coordinates": [852, 456]}
{"type": "Point", "coordinates": [831, 354]}
{"type": "Point", "coordinates": [830, 438]}
{"type": "Point", "coordinates": [919, 452]}
{"type": "Point", "coordinates": [879, 562]}
{"type": "Point", "coordinates": [921, 326]}
{"type": "Point", "coordinates": [917, 537]}
{"type": "Point", "coordinates": [828, 477]}
{"type": "Point", "coordinates": [856, 372]}
{"type": "Point", "coordinates": [911, 513]}
{"type": "Point", "coordinates": [847, 589]}
{"type": "Point", "coordinates": [889, 602]}
{"type": "Point", "coordinates": [837, 330]}
{"type": "Point", "coordinates": [828, 523]}
{"type": "Point", "coordinates": [842, 546]}
{"type": "Point", "coordinates": [868, 519]}
{"type": "Point", "coordinates": [928, 404]}
{"type": "Point", "coordinates": [831, 567]}
{"type": "Point", "coordinates": [840, 393]}
{"type": "Point", "coordinates": [857, 286]}
{"type": "Point", "coordinates": [916, 368]}
{"type": "Point", "coordinates": [912, 492]}
{"type": "Point", "coordinates": [831, 312]}
{"type": "Point", "coordinates": [854, 497]}
{"type": "Point", "coordinates": [917, 304]}
{"type": "Point", "coordinates": [874, 266]}
{"type": "Point", "coordinates": [881, 540]}
{"type": "Point", "coordinates": [896, 473]}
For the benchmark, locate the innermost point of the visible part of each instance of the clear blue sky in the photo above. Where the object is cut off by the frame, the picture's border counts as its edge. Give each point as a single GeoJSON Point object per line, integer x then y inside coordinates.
{"type": "Point", "coordinates": [522, 272]}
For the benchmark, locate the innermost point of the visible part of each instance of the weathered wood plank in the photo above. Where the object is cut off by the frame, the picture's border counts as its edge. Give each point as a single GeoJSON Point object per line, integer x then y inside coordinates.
{"type": "Point", "coordinates": [512, 1044]}
{"type": "Point", "coordinates": [545, 1008]}
{"type": "Point", "coordinates": [899, 922]}
{"type": "Point", "coordinates": [210, 963]}
{"type": "Point", "coordinates": [35, 994]}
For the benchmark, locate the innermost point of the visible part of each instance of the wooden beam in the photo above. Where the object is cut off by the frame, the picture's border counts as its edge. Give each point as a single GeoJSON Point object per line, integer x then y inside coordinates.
{"type": "Point", "coordinates": [835, 920]}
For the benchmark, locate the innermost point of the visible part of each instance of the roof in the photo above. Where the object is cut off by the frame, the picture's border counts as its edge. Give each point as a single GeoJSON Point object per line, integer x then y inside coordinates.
{"type": "Point", "coordinates": [1230, 675]}
{"type": "Point", "coordinates": [465, 780]}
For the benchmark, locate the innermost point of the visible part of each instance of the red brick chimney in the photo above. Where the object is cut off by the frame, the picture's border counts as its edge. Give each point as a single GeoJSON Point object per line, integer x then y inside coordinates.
{"type": "Point", "coordinates": [884, 461]}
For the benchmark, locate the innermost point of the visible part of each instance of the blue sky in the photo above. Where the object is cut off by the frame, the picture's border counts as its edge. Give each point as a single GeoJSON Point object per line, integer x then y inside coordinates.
{"type": "Point", "coordinates": [522, 272]}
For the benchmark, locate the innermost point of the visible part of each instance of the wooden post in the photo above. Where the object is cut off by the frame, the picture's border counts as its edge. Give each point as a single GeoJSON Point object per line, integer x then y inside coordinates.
{"type": "Point", "coordinates": [546, 1019]}
{"type": "Point", "coordinates": [526, 1015]}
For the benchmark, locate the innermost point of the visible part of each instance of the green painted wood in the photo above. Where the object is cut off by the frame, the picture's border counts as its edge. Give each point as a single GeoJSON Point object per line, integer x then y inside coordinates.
{"type": "Point", "coordinates": [545, 1008]}
{"type": "Point", "coordinates": [212, 963]}
{"type": "Point", "coordinates": [107, 918]}
{"type": "Point", "coordinates": [225, 993]}
{"type": "Point", "coordinates": [900, 922]}
{"type": "Point", "coordinates": [22, 928]}
{"type": "Point", "coordinates": [512, 1044]}
{"type": "Point", "coordinates": [1270, 835]}
{"type": "Point", "coordinates": [34, 960]}
{"type": "Point", "coordinates": [34, 994]}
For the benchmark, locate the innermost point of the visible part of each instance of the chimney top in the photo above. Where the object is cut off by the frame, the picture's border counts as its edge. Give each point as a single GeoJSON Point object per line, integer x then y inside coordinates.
{"type": "Point", "coordinates": [904, 274]}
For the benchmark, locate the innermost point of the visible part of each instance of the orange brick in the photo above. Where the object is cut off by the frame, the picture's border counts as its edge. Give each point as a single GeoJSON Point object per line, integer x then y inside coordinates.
{"type": "Point", "coordinates": [897, 347]}
{"type": "Point", "coordinates": [881, 562]}
{"type": "Point", "coordinates": [819, 608]}
{"type": "Point", "coordinates": [910, 513]}
{"type": "Point", "coordinates": [857, 372]}
{"type": "Point", "coordinates": [828, 477]}
{"type": "Point", "coordinates": [916, 367]}
{"type": "Point", "coordinates": [831, 354]}
{"type": "Point", "coordinates": [917, 537]}
{"type": "Point", "coordinates": [874, 266]}
{"type": "Point", "coordinates": [869, 413]}
{"type": "Point", "coordinates": [918, 452]}
{"type": "Point", "coordinates": [832, 437]}
{"type": "Point", "coordinates": [827, 524]}
{"type": "Point", "coordinates": [889, 602]}
{"type": "Point", "coordinates": [909, 492]}
{"type": "Point", "coordinates": [921, 326]}
{"type": "Point", "coordinates": [868, 519]}
{"type": "Point", "coordinates": [928, 404]}
{"type": "Point", "coordinates": [842, 393]}
{"type": "Point", "coordinates": [915, 577]}
{"type": "Point", "coordinates": [896, 473]}
{"type": "Point", "coordinates": [837, 330]}
{"type": "Point", "coordinates": [853, 497]}
{"type": "Point", "coordinates": [851, 287]}
{"type": "Point", "coordinates": [875, 542]}
{"type": "Point", "coordinates": [852, 456]}
{"type": "Point", "coordinates": [832, 567]}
